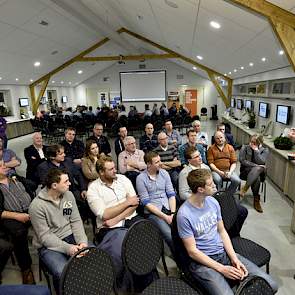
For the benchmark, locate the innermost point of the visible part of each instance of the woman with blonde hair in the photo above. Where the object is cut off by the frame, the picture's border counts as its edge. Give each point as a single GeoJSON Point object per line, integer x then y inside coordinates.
{"type": "Point", "coordinates": [252, 158]}
{"type": "Point", "coordinates": [89, 160]}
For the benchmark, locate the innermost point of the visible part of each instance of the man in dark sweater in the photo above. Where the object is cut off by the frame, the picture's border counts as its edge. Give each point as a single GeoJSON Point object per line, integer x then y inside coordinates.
{"type": "Point", "coordinates": [101, 140]}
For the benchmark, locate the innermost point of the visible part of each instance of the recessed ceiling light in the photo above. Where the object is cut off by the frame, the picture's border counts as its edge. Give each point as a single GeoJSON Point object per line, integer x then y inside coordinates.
{"type": "Point", "coordinates": [281, 52]}
{"type": "Point", "coordinates": [37, 63]}
{"type": "Point", "coordinates": [171, 4]}
{"type": "Point", "coordinates": [194, 68]}
{"type": "Point", "coordinates": [251, 64]}
{"type": "Point", "coordinates": [53, 82]}
{"type": "Point", "coordinates": [229, 73]}
{"type": "Point", "coordinates": [70, 82]}
{"type": "Point", "coordinates": [225, 74]}
{"type": "Point", "coordinates": [61, 82]}
{"type": "Point", "coordinates": [215, 25]}
{"type": "Point", "coordinates": [80, 72]}
{"type": "Point", "coordinates": [263, 59]}
{"type": "Point", "coordinates": [199, 57]}
{"type": "Point", "coordinates": [16, 79]}
{"type": "Point", "coordinates": [235, 70]}
{"type": "Point", "coordinates": [0, 78]}
{"type": "Point", "coordinates": [242, 68]}
{"type": "Point", "coordinates": [31, 80]}
{"type": "Point", "coordinates": [184, 85]}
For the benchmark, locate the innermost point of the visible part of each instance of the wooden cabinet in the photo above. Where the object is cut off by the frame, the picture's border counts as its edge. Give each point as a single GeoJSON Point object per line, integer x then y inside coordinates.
{"type": "Point", "coordinates": [18, 128]}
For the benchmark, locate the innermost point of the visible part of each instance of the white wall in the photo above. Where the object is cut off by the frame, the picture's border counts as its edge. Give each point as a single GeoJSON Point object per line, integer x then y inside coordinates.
{"type": "Point", "coordinates": [89, 89]}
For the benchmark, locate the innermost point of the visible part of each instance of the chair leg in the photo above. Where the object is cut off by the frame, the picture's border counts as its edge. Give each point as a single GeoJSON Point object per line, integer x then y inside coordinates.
{"type": "Point", "coordinates": [267, 268]}
{"type": "Point", "coordinates": [165, 265]}
{"type": "Point", "coordinates": [12, 259]}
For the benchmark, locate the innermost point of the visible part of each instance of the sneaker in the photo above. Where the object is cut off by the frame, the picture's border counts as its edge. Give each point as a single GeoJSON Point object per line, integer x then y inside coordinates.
{"type": "Point", "coordinates": [28, 277]}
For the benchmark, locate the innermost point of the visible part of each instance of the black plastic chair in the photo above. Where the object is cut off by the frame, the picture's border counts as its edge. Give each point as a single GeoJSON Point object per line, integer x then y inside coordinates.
{"type": "Point", "coordinates": [142, 249]}
{"type": "Point", "coordinates": [169, 286]}
{"type": "Point", "coordinates": [254, 285]}
{"type": "Point", "coordinates": [89, 271]}
{"type": "Point", "coordinates": [245, 247]}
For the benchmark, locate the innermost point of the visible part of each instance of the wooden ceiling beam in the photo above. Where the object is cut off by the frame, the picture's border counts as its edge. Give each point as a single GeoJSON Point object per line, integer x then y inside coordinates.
{"type": "Point", "coordinates": [126, 57]}
{"type": "Point", "coordinates": [36, 102]}
{"type": "Point", "coordinates": [281, 20]}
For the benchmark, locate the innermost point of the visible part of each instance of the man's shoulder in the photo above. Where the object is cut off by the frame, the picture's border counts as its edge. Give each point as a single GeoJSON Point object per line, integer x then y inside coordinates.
{"type": "Point", "coordinates": [186, 170]}
{"type": "Point", "coordinates": [29, 148]}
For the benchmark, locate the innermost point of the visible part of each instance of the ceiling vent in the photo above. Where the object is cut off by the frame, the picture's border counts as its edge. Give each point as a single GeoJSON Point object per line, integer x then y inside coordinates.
{"type": "Point", "coordinates": [179, 77]}
{"type": "Point", "coordinates": [142, 66]}
{"type": "Point", "coordinates": [43, 23]}
{"type": "Point", "coordinates": [105, 79]}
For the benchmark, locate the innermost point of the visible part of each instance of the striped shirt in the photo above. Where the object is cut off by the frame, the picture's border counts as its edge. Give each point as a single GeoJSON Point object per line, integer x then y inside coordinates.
{"type": "Point", "coordinates": [167, 154]}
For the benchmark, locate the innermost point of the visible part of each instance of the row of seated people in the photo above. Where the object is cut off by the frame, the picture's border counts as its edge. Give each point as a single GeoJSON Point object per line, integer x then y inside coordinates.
{"type": "Point", "coordinates": [59, 231]}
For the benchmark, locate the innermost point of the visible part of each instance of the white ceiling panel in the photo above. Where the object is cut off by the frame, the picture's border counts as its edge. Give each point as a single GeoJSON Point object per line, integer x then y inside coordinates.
{"type": "Point", "coordinates": [5, 29]}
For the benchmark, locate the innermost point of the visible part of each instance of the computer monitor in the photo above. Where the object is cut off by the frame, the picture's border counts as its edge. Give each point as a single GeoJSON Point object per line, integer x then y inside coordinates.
{"type": "Point", "coordinates": [263, 111]}
{"type": "Point", "coordinates": [249, 105]}
{"type": "Point", "coordinates": [23, 102]}
{"type": "Point", "coordinates": [239, 104]}
{"type": "Point", "coordinates": [64, 99]}
{"type": "Point", "coordinates": [283, 114]}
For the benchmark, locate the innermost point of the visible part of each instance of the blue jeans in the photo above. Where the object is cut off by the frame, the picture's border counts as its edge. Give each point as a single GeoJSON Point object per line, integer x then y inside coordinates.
{"type": "Point", "coordinates": [234, 182]}
{"type": "Point", "coordinates": [23, 289]}
{"type": "Point", "coordinates": [215, 283]}
{"type": "Point", "coordinates": [165, 230]}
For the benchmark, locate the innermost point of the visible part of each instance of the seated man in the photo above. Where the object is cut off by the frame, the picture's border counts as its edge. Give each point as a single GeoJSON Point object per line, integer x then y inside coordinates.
{"type": "Point", "coordinates": [113, 201]}
{"type": "Point", "coordinates": [131, 160]}
{"type": "Point", "coordinates": [149, 140]}
{"type": "Point", "coordinates": [191, 141]}
{"type": "Point", "coordinates": [15, 222]}
{"type": "Point", "coordinates": [101, 140]}
{"type": "Point", "coordinates": [194, 159]}
{"type": "Point", "coordinates": [157, 195]}
{"type": "Point", "coordinates": [202, 137]}
{"type": "Point", "coordinates": [169, 157]}
{"type": "Point", "coordinates": [35, 155]}
{"type": "Point", "coordinates": [200, 226]}
{"type": "Point", "coordinates": [58, 228]}
{"type": "Point", "coordinates": [8, 160]}
{"type": "Point", "coordinates": [223, 162]}
{"type": "Point", "coordinates": [74, 148]}
{"type": "Point", "coordinates": [119, 142]}
{"type": "Point", "coordinates": [173, 135]}
{"type": "Point", "coordinates": [56, 159]}
{"type": "Point", "coordinates": [5, 252]}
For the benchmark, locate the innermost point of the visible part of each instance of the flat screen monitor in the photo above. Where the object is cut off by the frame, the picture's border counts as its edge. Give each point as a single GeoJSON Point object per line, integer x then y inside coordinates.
{"type": "Point", "coordinates": [239, 104]}
{"type": "Point", "coordinates": [233, 103]}
{"type": "Point", "coordinates": [1, 97]}
{"type": "Point", "coordinates": [249, 105]}
{"type": "Point", "coordinates": [283, 114]}
{"type": "Point", "coordinates": [263, 110]}
{"type": "Point", "coordinates": [64, 99]}
{"type": "Point", "coordinates": [23, 102]}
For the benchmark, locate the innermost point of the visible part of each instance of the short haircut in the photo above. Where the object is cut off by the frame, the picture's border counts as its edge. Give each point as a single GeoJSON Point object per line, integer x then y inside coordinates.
{"type": "Point", "coordinates": [127, 139]}
{"type": "Point", "coordinates": [70, 129]}
{"type": "Point", "coordinates": [219, 125]}
{"type": "Point", "coordinates": [52, 150]}
{"type": "Point", "coordinates": [190, 130]}
{"type": "Point", "coordinates": [100, 163]}
{"type": "Point", "coordinates": [258, 138]}
{"type": "Point", "coordinates": [189, 151]}
{"type": "Point", "coordinates": [148, 157]}
{"type": "Point", "coordinates": [197, 178]}
{"type": "Point", "coordinates": [167, 120]}
{"type": "Point", "coordinates": [97, 124]}
{"type": "Point", "coordinates": [196, 122]}
{"type": "Point", "coordinates": [54, 176]}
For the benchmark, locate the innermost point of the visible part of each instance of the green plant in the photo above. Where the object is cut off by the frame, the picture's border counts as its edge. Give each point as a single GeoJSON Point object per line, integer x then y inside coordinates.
{"type": "Point", "coordinates": [283, 143]}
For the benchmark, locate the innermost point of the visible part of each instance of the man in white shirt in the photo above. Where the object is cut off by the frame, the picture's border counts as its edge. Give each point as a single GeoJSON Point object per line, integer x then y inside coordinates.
{"type": "Point", "coordinates": [202, 137]}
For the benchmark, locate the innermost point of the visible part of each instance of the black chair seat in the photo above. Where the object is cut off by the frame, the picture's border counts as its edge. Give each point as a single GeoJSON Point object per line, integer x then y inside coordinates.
{"type": "Point", "coordinates": [252, 251]}
{"type": "Point", "coordinates": [169, 286]}
{"type": "Point", "coordinates": [254, 285]}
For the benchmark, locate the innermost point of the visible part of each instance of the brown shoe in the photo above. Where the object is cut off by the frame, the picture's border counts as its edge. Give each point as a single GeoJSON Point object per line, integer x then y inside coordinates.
{"type": "Point", "coordinates": [243, 190]}
{"type": "Point", "coordinates": [257, 205]}
{"type": "Point", "coordinates": [28, 277]}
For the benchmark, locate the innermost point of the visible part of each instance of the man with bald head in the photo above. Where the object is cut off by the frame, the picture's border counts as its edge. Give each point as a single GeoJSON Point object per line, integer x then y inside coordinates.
{"type": "Point", "coordinates": [222, 160]}
{"type": "Point", "coordinates": [149, 140]}
{"type": "Point", "coordinates": [34, 154]}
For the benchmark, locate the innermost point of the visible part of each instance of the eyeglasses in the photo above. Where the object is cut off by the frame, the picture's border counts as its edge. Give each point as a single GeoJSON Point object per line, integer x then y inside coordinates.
{"type": "Point", "coordinates": [131, 143]}
{"type": "Point", "coordinates": [196, 156]}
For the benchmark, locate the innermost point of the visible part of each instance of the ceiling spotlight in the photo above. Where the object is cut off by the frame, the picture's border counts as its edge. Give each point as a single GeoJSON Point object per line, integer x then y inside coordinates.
{"type": "Point", "coordinates": [171, 4]}
{"type": "Point", "coordinates": [281, 52]}
{"type": "Point", "coordinates": [215, 25]}
{"type": "Point", "coordinates": [31, 80]}
{"type": "Point", "coordinates": [229, 73]}
{"type": "Point", "coordinates": [235, 70]}
{"type": "Point", "coordinates": [70, 82]}
{"type": "Point", "coordinates": [225, 74]}
{"type": "Point", "coordinates": [199, 57]}
{"type": "Point", "coordinates": [194, 68]}
{"type": "Point", "coordinates": [37, 63]}
{"type": "Point", "coordinates": [251, 64]}
{"type": "Point", "coordinates": [80, 72]}
{"type": "Point", "coordinates": [0, 78]}
{"type": "Point", "coordinates": [242, 68]}
{"type": "Point", "coordinates": [53, 82]}
{"type": "Point", "coordinates": [16, 79]}
{"type": "Point", "coordinates": [61, 82]}
{"type": "Point", "coordinates": [263, 59]}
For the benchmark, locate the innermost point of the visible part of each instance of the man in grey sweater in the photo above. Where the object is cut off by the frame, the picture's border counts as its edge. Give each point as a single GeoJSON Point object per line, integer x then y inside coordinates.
{"type": "Point", "coordinates": [58, 228]}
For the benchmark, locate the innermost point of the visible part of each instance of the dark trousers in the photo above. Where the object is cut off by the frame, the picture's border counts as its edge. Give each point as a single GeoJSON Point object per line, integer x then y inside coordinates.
{"type": "Point", "coordinates": [132, 175]}
{"type": "Point", "coordinates": [5, 252]}
{"type": "Point", "coordinates": [242, 215]}
{"type": "Point", "coordinates": [18, 232]}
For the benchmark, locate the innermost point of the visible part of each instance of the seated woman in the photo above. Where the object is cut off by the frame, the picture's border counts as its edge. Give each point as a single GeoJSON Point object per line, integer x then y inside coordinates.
{"type": "Point", "coordinates": [253, 157]}
{"type": "Point", "coordinates": [89, 160]}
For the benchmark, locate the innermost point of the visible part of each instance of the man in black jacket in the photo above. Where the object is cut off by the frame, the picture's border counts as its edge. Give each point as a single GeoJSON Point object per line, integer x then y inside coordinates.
{"type": "Point", "coordinates": [101, 140]}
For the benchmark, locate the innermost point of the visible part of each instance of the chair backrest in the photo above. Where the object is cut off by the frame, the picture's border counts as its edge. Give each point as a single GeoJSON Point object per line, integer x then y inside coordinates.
{"type": "Point", "coordinates": [229, 209]}
{"type": "Point", "coordinates": [142, 248]}
{"type": "Point", "coordinates": [90, 271]}
{"type": "Point", "coordinates": [254, 285]}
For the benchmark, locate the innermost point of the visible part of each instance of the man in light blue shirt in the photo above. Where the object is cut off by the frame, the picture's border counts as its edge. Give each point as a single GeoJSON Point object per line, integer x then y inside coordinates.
{"type": "Point", "coordinates": [173, 135]}
{"type": "Point", "coordinates": [157, 195]}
